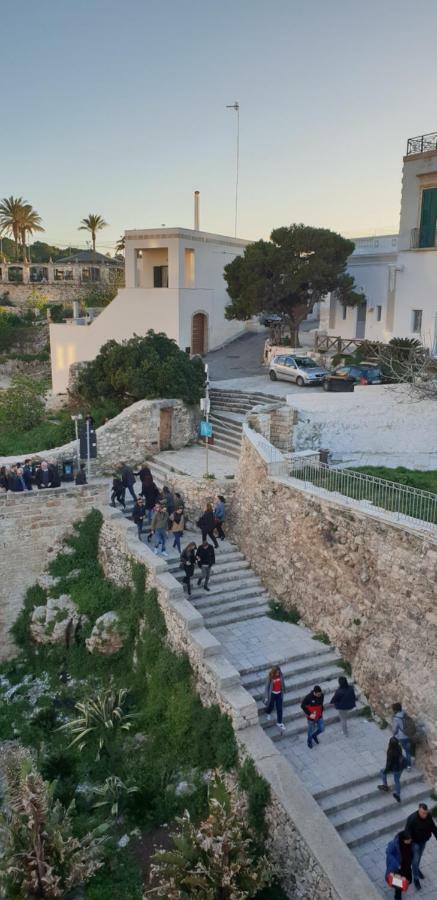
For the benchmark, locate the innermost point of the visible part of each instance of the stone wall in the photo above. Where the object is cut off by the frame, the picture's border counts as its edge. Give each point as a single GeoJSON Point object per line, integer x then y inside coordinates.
{"type": "Point", "coordinates": [58, 292]}
{"type": "Point", "coordinates": [275, 421]}
{"type": "Point", "coordinates": [132, 436]}
{"type": "Point", "coordinates": [313, 859]}
{"type": "Point", "coordinates": [31, 526]}
{"type": "Point", "coordinates": [368, 583]}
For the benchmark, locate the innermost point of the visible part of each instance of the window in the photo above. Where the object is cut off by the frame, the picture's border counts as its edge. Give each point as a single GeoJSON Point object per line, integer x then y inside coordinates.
{"type": "Point", "coordinates": [417, 321]}
{"type": "Point", "coordinates": [91, 273]}
{"type": "Point", "coordinates": [63, 274]}
{"type": "Point", "coordinates": [344, 310]}
{"type": "Point", "coordinates": [189, 268]}
{"type": "Point", "coordinates": [428, 218]}
{"type": "Point", "coordinates": [160, 276]}
{"type": "Point", "coordinates": [378, 313]}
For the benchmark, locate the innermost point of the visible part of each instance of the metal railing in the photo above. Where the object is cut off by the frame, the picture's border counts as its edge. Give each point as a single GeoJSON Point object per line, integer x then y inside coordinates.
{"type": "Point", "coordinates": [407, 503]}
{"type": "Point", "coordinates": [422, 144]}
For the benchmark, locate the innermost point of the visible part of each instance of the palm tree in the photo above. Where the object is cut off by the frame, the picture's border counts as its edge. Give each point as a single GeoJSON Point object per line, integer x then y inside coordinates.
{"type": "Point", "coordinates": [11, 213]}
{"type": "Point", "coordinates": [120, 245]}
{"type": "Point", "coordinates": [93, 223]}
{"type": "Point", "coordinates": [30, 221]}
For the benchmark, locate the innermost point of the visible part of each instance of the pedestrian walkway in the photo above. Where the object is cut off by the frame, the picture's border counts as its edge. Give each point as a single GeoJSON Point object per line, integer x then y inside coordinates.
{"type": "Point", "coordinates": [341, 773]}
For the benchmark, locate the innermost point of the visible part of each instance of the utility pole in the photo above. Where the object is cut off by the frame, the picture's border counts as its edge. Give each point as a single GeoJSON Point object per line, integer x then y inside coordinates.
{"type": "Point", "coordinates": [236, 107]}
{"type": "Point", "coordinates": [206, 414]}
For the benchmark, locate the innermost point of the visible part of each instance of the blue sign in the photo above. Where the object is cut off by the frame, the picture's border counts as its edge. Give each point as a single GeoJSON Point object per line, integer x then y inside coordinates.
{"type": "Point", "coordinates": [205, 429]}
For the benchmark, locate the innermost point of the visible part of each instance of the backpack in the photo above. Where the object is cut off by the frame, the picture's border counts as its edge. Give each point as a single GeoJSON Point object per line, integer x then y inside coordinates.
{"type": "Point", "coordinates": [409, 727]}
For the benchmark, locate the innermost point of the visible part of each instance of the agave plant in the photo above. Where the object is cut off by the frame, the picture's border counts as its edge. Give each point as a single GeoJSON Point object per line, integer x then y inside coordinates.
{"type": "Point", "coordinates": [99, 721]}
{"type": "Point", "coordinates": [40, 856]}
{"type": "Point", "coordinates": [112, 791]}
{"type": "Point", "coordinates": [215, 860]}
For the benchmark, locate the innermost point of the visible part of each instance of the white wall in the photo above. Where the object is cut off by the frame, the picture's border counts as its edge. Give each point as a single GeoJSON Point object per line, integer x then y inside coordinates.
{"type": "Point", "coordinates": [416, 288]}
{"type": "Point", "coordinates": [419, 172]}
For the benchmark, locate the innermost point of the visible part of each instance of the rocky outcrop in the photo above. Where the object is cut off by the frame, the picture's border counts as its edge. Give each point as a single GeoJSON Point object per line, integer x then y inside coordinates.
{"type": "Point", "coordinates": [56, 622]}
{"type": "Point", "coordinates": [106, 637]}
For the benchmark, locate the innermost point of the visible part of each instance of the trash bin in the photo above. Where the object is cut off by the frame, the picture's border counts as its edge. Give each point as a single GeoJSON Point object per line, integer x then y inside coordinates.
{"type": "Point", "coordinates": [67, 470]}
{"type": "Point", "coordinates": [324, 455]}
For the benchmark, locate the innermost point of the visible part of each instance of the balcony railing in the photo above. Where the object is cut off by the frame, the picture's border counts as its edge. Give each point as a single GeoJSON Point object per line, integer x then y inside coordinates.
{"type": "Point", "coordinates": [422, 144]}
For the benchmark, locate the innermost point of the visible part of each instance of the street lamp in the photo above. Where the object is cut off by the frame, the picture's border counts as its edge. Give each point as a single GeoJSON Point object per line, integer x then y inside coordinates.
{"type": "Point", "coordinates": [76, 419]}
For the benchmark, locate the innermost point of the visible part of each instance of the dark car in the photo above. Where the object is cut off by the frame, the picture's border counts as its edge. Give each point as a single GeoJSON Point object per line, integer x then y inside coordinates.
{"type": "Point", "coordinates": [359, 373]}
{"type": "Point", "coordinates": [269, 319]}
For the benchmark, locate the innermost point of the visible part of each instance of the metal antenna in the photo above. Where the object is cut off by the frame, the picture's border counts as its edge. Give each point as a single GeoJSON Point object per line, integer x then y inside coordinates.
{"type": "Point", "coordinates": [236, 106]}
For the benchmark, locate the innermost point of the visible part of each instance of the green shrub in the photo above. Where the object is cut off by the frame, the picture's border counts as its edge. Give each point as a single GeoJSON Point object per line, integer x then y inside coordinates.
{"type": "Point", "coordinates": [278, 612]}
{"type": "Point", "coordinates": [22, 403]}
{"type": "Point", "coordinates": [258, 795]}
{"type": "Point", "coordinates": [322, 637]}
{"type": "Point", "coordinates": [35, 596]}
{"type": "Point", "coordinates": [345, 665]}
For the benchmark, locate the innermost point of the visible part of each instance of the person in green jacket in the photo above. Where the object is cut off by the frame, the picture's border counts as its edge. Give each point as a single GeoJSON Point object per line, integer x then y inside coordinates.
{"type": "Point", "coordinates": [160, 527]}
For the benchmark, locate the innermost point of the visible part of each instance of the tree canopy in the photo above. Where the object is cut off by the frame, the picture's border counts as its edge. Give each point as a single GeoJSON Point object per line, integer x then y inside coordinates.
{"type": "Point", "coordinates": [141, 368]}
{"type": "Point", "coordinates": [289, 274]}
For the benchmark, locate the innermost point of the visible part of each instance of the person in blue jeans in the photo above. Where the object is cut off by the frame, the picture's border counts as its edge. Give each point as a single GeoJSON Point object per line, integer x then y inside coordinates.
{"type": "Point", "coordinates": [419, 826]}
{"type": "Point", "coordinates": [398, 731]}
{"type": "Point", "coordinates": [394, 763]}
{"type": "Point", "coordinates": [274, 695]}
{"type": "Point", "coordinates": [160, 527]}
{"type": "Point", "coordinates": [312, 705]}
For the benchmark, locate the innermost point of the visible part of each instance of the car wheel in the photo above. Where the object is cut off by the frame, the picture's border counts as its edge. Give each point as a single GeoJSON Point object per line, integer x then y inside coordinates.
{"type": "Point", "coordinates": [300, 381]}
{"type": "Point", "coordinates": [273, 376]}
{"type": "Point", "coordinates": [325, 386]}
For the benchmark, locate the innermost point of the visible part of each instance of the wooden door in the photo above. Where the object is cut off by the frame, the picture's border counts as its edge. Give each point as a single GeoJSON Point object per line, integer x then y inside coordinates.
{"type": "Point", "coordinates": [198, 334]}
{"type": "Point", "coordinates": [165, 428]}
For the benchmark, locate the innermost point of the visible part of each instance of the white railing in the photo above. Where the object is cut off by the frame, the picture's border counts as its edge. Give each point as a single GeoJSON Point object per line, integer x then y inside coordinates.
{"type": "Point", "coordinates": [406, 504]}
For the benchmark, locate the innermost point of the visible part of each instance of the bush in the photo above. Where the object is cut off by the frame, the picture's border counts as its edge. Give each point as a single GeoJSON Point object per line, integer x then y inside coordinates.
{"type": "Point", "coordinates": [22, 404]}
{"type": "Point", "coordinates": [258, 796]}
{"type": "Point", "coordinates": [143, 367]}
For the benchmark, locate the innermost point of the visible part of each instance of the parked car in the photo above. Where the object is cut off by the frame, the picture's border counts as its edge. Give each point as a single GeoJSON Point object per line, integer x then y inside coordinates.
{"type": "Point", "coordinates": [300, 369]}
{"type": "Point", "coordinates": [360, 373]}
{"type": "Point", "coordinates": [270, 319]}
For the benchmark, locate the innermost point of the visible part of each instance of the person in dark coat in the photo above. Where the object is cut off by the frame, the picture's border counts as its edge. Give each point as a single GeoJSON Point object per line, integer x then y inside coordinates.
{"type": "Point", "coordinates": [151, 496]}
{"type": "Point", "coordinates": [43, 477]}
{"type": "Point", "coordinates": [168, 500]}
{"type": "Point", "coordinates": [419, 827]}
{"type": "Point", "coordinates": [312, 705]}
{"type": "Point", "coordinates": [54, 473]}
{"type": "Point", "coordinates": [144, 473]}
{"type": "Point", "coordinates": [188, 562]}
{"type": "Point", "coordinates": [344, 700]}
{"type": "Point", "coordinates": [205, 557]}
{"type": "Point", "coordinates": [128, 480]}
{"type": "Point", "coordinates": [28, 474]}
{"type": "Point", "coordinates": [394, 764]}
{"type": "Point", "coordinates": [206, 523]}
{"type": "Point", "coordinates": [4, 483]}
{"type": "Point", "coordinates": [117, 491]}
{"type": "Point", "coordinates": [81, 475]}
{"type": "Point", "coordinates": [219, 515]}
{"type": "Point", "coordinates": [138, 514]}
{"type": "Point", "coordinates": [398, 857]}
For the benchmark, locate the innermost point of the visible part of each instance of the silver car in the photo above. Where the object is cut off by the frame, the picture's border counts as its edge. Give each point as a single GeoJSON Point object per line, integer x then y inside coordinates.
{"type": "Point", "coordinates": [300, 369]}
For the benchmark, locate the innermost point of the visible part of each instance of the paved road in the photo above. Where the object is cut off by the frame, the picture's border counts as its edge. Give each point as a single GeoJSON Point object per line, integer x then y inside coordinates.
{"type": "Point", "coordinates": [242, 358]}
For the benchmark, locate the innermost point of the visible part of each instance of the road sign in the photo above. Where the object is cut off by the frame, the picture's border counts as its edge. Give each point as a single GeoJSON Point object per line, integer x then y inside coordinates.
{"type": "Point", "coordinates": [205, 429]}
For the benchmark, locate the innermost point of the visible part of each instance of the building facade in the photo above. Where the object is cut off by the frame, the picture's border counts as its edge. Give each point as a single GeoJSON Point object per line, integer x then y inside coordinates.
{"type": "Point", "coordinates": [61, 281]}
{"type": "Point", "coordinates": [397, 273]}
{"type": "Point", "coordinates": [174, 284]}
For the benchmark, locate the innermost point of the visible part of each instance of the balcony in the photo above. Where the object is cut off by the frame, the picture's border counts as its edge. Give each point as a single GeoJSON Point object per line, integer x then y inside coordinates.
{"type": "Point", "coordinates": [424, 143]}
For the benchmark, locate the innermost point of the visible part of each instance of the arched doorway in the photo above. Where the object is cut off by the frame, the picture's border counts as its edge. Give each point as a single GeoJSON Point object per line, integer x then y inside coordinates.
{"type": "Point", "coordinates": [199, 333]}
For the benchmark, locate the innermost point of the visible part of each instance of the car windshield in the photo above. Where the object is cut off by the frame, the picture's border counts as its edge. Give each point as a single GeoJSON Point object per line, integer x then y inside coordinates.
{"type": "Point", "coordinates": [304, 362]}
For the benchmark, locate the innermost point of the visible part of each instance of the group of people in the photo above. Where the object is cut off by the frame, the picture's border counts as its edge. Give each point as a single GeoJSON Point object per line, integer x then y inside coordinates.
{"type": "Point", "coordinates": [404, 853]}
{"type": "Point", "coordinates": [35, 473]}
{"type": "Point", "coordinates": [312, 705]}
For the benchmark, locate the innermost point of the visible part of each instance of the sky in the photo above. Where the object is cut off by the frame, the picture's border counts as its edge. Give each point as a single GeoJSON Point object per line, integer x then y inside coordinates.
{"type": "Point", "coordinates": [120, 109]}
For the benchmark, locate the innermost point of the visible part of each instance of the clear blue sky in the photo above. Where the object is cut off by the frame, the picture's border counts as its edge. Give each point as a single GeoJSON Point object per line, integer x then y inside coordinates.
{"type": "Point", "coordinates": [119, 108]}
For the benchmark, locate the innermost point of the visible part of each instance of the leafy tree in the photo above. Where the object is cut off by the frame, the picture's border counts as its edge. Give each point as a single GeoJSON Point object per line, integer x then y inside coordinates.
{"type": "Point", "coordinates": [120, 245]}
{"type": "Point", "coordinates": [40, 854]}
{"type": "Point", "coordinates": [141, 368]}
{"type": "Point", "coordinates": [30, 221]}
{"type": "Point", "coordinates": [11, 213]}
{"type": "Point", "coordinates": [93, 223]}
{"type": "Point", "coordinates": [22, 405]}
{"type": "Point", "coordinates": [289, 274]}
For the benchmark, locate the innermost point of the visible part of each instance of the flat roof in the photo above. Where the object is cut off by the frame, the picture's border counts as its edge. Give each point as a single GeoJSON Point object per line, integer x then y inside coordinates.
{"type": "Point", "coordinates": [188, 233]}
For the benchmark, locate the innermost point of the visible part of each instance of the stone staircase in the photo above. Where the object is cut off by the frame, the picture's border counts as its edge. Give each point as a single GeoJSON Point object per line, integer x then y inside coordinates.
{"type": "Point", "coordinates": [228, 411]}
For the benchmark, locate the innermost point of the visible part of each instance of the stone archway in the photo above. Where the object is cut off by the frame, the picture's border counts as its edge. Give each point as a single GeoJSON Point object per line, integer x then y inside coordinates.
{"type": "Point", "coordinates": [199, 333]}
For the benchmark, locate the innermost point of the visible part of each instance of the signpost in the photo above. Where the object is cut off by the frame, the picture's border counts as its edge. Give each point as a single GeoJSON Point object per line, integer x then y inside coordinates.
{"type": "Point", "coordinates": [88, 444]}
{"type": "Point", "coordinates": [205, 426]}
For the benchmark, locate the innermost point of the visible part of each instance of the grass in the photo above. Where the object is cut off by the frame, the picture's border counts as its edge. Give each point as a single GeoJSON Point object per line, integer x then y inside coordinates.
{"type": "Point", "coordinates": [423, 481]}
{"type": "Point", "coordinates": [278, 612]}
{"type": "Point", "coordinates": [365, 713]}
{"type": "Point", "coordinates": [345, 665]}
{"type": "Point", "coordinates": [322, 637]}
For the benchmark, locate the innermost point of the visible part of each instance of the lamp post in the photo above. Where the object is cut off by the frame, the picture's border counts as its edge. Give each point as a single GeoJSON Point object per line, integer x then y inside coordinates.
{"type": "Point", "coordinates": [236, 107]}
{"type": "Point", "coordinates": [76, 419]}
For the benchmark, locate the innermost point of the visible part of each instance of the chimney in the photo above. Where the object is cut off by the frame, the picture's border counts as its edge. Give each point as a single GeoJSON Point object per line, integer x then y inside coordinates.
{"type": "Point", "coordinates": [196, 210]}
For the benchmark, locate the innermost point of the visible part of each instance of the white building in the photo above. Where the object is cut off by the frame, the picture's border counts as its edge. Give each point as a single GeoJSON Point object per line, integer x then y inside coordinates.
{"type": "Point", "coordinates": [397, 273]}
{"type": "Point", "coordinates": [174, 283]}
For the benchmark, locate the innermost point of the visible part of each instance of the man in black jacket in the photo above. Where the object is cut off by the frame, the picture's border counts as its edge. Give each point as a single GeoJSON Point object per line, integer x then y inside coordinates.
{"type": "Point", "coordinates": [419, 827]}
{"type": "Point", "coordinates": [205, 556]}
{"type": "Point", "coordinates": [128, 480]}
{"type": "Point", "coordinates": [312, 705]}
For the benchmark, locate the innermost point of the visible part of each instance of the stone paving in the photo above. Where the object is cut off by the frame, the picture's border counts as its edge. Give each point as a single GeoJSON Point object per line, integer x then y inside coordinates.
{"type": "Point", "coordinates": [192, 461]}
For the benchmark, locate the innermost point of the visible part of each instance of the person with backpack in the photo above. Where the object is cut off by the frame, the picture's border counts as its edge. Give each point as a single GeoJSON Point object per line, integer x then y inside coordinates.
{"type": "Point", "coordinates": [419, 827]}
{"type": "Point", "coordinates": [274, 695]}
{"type": "Point", "coordinates": [344, 700]}
{"type": "Point", "coordinates": [404, 729]}
{"type": "Point", "coordinates": [398, 856]}
{"type": "Point", "coordinates": [394, 764]}
{"type": "Point", "coordinates": [188, 562]}
{"type": "Point", "coordinates": [176, 525]}
{"type": "Point", "coordinates": [312, 705]}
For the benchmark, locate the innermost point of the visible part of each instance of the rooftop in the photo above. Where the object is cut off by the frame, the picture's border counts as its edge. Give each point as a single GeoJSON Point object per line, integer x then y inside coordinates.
{"type": "Point", "coordinates": [88, 257]}
{"type": "Point", "coordinates": [424, 143]}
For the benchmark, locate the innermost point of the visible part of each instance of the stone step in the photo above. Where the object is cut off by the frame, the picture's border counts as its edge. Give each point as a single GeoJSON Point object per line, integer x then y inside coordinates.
{"type": "Point", "coordinates": [307, 662]}
{"type": "Point", "coordinates": [256, 396]}
{"type": "Point", "coordinates": [393, 821]}
{"type": "Point", "coordinates": [218, 609]}
{"type": "Point", "coordinates": [298, 727]}
{"type": "Point", "coordinates": [261, 671]}
{"type": "Point", "coordinates": [231, 618]}
{"type": "Point", "coordinates": [304, 680]}
{"type": "Point", "coordinates": [349, 793]}
{"type": "Point", "coordinates": [250, 589]}
{"type": "Point", "coordinates": [294, 713]}
{"type": "Point", "coordinates": [221, 433]}
{"type": "Point", "coordinates": [228, 555]}
{"type": "Point", "coordinates": [231, 425]}
{"type": "Point", "coordinates": [296, 696]}
{"type": "Point", "coordinates": [163, 468]}
{"type": "Point", "coordinates": [224, 449]}
{"type": "Point", "coordinates": [218, 597]}
{"type": "Point", "coordinates": [376, 804]}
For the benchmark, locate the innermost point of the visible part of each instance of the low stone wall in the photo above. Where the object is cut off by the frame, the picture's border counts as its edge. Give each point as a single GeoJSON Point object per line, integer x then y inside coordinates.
{"type": "Point", "coordinates": [31, 526]}
{"type": "Point", "coordinates": [368, 583]}
{"type": "Point", "coordinates": [314, 861]}
{"type": "Point", "coordinates": [132, 436]}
